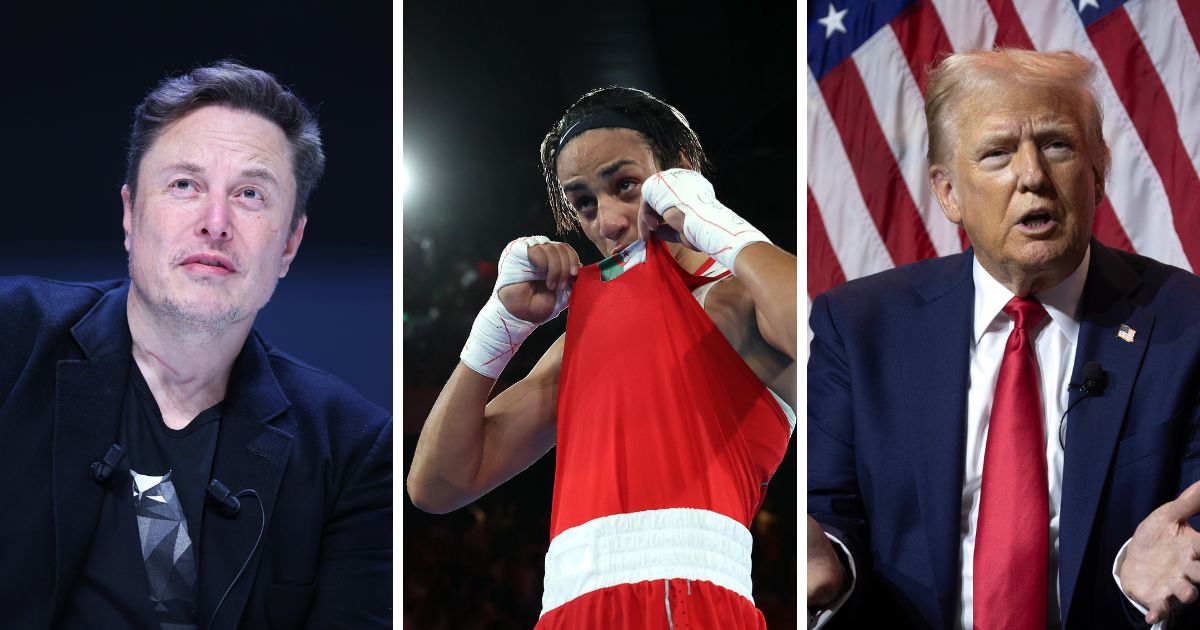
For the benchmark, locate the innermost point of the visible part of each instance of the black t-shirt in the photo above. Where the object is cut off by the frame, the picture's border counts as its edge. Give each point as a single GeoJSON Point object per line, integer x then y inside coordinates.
{"type": "Point", "coordinates": [142, 568]}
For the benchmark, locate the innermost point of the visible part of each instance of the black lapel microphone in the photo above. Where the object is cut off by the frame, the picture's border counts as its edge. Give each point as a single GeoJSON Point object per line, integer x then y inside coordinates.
{"type": "Point", "coordinates": [229, 506]}
{"type": "Point", "coordinates": [226, 502]}
{"type": "Point", "coordinates": [103, 469]}
{"type": "Point", "coordinates": [1095, 381]}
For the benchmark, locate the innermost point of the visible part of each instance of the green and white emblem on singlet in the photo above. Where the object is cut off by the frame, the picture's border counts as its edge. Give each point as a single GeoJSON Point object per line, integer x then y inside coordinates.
{"type": "Point", "coordinates": [623, 260]}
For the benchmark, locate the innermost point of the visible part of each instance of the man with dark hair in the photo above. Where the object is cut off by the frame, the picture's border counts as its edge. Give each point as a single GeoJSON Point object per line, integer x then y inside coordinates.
{"type": "Point", "coordinates": [666, 397]}
{"type": "Point", "coordinates": [175, 470]}
{"type": "Point", "coordinates": [233, 85]}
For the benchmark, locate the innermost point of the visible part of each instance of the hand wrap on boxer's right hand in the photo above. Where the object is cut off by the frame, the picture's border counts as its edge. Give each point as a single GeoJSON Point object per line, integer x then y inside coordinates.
{"type": "Point", "coordinates": [497, 333]}
{"type": "Point", "coordinates": [709, 225]}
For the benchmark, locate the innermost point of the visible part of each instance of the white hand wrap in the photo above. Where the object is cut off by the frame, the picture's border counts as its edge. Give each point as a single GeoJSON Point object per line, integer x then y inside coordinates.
{"type": "Point", "coordinates": [713, 228]}
{"type": "Point", "coordinates": [496, 333]}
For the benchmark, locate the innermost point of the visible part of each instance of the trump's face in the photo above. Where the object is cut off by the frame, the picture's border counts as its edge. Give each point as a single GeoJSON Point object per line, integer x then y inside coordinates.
{"type": "Point", "coordinates": [208, 232]}
{"type": "Point", "coordinates": [1021, 182]}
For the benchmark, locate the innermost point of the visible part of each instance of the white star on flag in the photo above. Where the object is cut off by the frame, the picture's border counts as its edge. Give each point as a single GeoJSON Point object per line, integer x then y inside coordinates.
{"type": "Point", "coordinates": [833, 21]}
{"type": "Point", "coordinates": [1083, 4]}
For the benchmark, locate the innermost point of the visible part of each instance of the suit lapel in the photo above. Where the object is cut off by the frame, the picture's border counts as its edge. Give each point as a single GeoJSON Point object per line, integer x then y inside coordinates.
{"type": "Point", "coordinates": [89, 395]}
{"type": "Point", "coordinates": [935, 395]}
{"type": "Point", "coordinates": [1093, 427]}
{"type": "Point", "coordinates": [251, 454]}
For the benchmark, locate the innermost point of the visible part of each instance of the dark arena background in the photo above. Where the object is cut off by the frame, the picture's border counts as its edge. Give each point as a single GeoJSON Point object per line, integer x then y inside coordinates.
{"type": "Point", "coordinates": [72, 75]}
{"type": "Point", "coordinates": [483, 82]}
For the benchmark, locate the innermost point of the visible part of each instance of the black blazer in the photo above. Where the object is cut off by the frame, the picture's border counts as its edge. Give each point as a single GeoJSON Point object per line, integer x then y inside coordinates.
{"type": "Point", "coordinates": [317, 453]}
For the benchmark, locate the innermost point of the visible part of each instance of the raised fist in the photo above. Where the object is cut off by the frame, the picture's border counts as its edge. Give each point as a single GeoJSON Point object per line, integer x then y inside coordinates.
{"type": "Point", "coordinates": [535, 278]}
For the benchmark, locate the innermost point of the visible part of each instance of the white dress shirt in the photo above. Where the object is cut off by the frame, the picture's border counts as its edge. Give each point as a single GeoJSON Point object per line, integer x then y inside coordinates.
{"type": "Point", "coordinates": [1054, 345]}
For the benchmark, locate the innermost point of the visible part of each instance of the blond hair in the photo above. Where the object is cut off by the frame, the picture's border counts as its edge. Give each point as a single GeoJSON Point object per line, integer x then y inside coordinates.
{"type": "Point", "coordinates": [966, 72]}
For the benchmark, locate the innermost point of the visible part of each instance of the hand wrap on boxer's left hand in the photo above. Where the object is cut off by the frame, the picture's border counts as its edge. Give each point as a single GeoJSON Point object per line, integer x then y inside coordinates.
{"type": "Point", "coordinates": [709, 225]}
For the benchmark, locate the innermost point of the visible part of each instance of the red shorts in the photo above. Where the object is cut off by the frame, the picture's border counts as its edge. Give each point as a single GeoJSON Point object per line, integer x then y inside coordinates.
{"type": "Point", "coordinates": [691, 605]}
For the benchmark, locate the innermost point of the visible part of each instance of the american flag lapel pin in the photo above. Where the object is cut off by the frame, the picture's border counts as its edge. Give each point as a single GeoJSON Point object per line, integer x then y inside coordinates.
{"type": "Point", "coordinates": [1126, 333]}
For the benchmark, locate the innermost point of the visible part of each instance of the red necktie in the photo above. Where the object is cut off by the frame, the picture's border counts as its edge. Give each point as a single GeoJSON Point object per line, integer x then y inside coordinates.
{"type": "Point", "coordinates": [1012, 539]}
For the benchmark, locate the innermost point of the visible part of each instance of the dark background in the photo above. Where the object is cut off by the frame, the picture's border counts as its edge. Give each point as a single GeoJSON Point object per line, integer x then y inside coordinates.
{"type": "Point", "coordinates": [483, 83]}
{"type": "Point", "coordinates": [70, 77]}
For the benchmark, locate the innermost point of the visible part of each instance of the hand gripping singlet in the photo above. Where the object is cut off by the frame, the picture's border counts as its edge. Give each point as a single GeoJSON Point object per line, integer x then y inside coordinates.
{"type": "Point", "coordinates": [666, 442]}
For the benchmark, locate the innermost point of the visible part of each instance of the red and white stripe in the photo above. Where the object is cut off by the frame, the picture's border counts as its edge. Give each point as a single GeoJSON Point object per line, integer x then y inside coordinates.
{"type": "Point", "coordinates": [869, 202]}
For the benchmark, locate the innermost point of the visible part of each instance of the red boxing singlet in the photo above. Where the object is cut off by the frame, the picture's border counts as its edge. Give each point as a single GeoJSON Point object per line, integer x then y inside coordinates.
{"type": "Point", "coordinates": [666, 442]}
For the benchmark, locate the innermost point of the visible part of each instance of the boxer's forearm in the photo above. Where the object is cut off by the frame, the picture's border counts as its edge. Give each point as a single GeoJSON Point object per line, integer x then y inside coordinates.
{"type": "Point", "coordinates": [469, 446]}
{"type": "Point", "coordinates": [446, 462]}
{"type": "Point", "coordinates": [769, 274]}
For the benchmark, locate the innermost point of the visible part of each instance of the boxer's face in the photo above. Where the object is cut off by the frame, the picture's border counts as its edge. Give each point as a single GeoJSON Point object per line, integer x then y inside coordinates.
{"type": "Point", "coordinates": [1021, 182]}
{"type": "Point", "coordinates": [208, 230]}
{"type": "Point", "coordinates": [601, 172]}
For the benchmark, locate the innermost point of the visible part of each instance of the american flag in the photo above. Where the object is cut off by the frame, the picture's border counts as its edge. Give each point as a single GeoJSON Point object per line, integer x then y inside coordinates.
{"type": "Point", "coordinates": [870, 206]}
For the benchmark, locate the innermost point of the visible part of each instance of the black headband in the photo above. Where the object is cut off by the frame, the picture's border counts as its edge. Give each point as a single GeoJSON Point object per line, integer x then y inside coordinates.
{"type": "Point", "coordinates": [603, 119]}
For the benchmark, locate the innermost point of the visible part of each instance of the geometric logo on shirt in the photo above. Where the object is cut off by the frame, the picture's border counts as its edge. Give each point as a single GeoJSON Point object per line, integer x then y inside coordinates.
{"type": "Point", "coordinates": [166, 550]}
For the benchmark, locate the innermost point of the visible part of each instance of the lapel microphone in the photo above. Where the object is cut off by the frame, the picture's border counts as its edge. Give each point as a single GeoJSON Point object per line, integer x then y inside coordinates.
{"type": "Point", "coordinates": [103, 469]}
{"type": "Point", "coordinates": [226, 502]}
{"type": "Point", "coordinates": [1095, 381]}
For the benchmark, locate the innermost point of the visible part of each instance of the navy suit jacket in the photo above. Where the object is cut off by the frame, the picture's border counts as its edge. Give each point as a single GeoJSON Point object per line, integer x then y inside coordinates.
{"type": "Point", "coordinates": [318, 455]}
{"type": "Point", "coordinates": [887, 401]}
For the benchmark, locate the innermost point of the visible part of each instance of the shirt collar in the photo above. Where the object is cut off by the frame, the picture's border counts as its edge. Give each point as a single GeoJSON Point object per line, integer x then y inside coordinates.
{"type": "Point", "coordinates": [1061, 301]}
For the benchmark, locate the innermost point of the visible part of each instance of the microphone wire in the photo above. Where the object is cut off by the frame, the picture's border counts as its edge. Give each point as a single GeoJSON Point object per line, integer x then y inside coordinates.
{"type": "Point", "coordinates": [262, 527]}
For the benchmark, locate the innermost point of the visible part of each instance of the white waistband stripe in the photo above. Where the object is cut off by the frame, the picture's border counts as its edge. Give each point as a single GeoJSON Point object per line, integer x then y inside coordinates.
{"type": "Point", "coordinates": [681, 543]}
